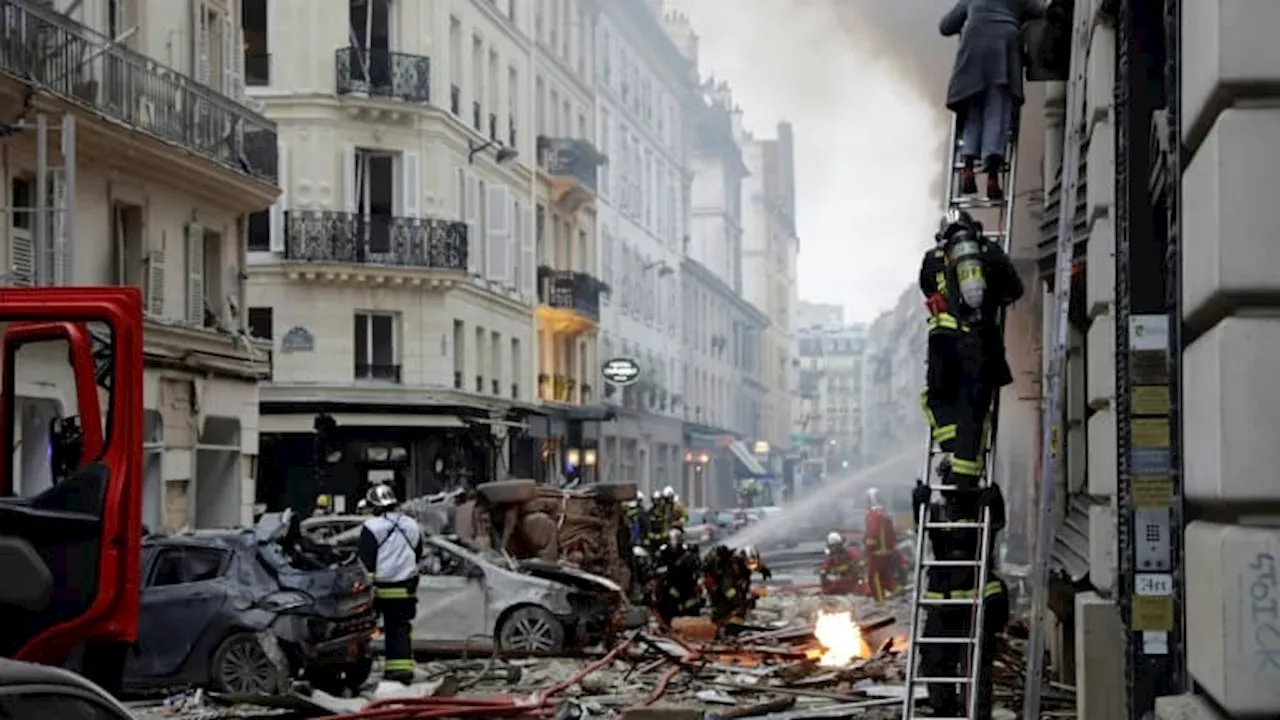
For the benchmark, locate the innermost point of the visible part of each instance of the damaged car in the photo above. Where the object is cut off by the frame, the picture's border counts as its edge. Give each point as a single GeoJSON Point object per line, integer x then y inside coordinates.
{"type": "Point", "coordinates": [246, 610]}
{"type": "Point", "coordinates": [469, 599]}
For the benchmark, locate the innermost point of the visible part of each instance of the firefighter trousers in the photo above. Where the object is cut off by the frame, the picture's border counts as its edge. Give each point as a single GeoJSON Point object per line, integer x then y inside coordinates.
{"type": "Point", "coordinates": [957, 401]}
{"type": "Point", "coordinates": [952, 660]}
{"type": "Point", "coordinates": [398, 605]}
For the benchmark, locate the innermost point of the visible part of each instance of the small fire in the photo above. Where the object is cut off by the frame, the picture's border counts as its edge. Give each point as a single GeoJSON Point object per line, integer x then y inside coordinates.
{"type": "Point", "coordinates": [841, 638]}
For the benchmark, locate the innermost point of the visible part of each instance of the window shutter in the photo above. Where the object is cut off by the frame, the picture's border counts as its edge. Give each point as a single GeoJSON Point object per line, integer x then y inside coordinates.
{"type": "Point", "coordinates": [279, 226]}
{"type": "Point", "coordinates": [499, 231]}
{"type": "Point", "coordinates": [471, 217]}
{"type": "Point", "coordinates": [528, 263]}
{"type": "Point", "coordinates": [412, 167]}
{"type": "Point", "coordinates": [350, 182]}
{"type": "Point", "coordinates": [155, 283]}
{"type": "Point", "coordinates": [22, 258]}
{"type": "Point", "coordinates": [60, 267]}
{"type": "Point", "coordinates": [199, 43]}
{"type": "Point", "coordinates": [195, 275]}
{"type": "Point", "coordinates": [231, 51]}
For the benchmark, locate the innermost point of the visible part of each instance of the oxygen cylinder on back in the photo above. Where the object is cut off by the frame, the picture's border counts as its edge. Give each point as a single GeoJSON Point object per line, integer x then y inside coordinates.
{"type": "Point", "coordinates": [965, 255]}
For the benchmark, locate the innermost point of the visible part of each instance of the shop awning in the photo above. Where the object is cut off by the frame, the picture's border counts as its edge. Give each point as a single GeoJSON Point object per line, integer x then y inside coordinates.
{"type": "Point", "coordinates": [748, 461]}
{"type": "Point", "coordinates": [305, 423]}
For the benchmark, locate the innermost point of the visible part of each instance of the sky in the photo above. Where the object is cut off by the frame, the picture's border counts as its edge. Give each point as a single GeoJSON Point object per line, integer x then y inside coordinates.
{"type": "Point", "coordinates": [863, 83]}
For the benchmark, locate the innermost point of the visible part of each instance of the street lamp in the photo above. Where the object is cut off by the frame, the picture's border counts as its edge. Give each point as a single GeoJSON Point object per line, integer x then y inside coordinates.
{"type": "Point", "coordinates": [504, 154]}
{"type": "Point", "coordinates": [664, 270]}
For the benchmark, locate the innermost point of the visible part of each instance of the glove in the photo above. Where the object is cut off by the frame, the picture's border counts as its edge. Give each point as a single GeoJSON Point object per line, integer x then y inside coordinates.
{"type": "Point", "coordinates": [920, 495]}
{"type": "Point", "coordinates": [936, 304]}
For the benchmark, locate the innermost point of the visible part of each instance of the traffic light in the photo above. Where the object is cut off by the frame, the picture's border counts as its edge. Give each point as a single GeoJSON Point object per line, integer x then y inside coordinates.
{"type": "Point", "coordinates": [328, 446]}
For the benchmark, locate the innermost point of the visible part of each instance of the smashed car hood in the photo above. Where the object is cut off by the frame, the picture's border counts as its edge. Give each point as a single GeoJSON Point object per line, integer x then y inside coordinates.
{"type": "Point", "coordinates": [568, 575]}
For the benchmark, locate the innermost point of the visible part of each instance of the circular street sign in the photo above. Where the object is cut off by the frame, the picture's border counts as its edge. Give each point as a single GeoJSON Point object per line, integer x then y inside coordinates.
{"type": "Point", "coordinates": [620, 371]}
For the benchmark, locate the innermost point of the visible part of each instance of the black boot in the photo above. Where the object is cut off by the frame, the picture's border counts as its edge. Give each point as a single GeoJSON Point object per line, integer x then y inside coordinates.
{"type": "Point", "coordinates": [992, 169]}
{"type": "Point", "coordinates": [968, 180]}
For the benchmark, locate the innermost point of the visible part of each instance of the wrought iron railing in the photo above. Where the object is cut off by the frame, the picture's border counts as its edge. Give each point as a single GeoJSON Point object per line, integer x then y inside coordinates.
{"type": "Point", "coordinates": [570, 157]}
{"type": "Point", "coordinates": [571, 290]}
{"type": "Point", "coordinates": [324, 236]}
{"type": "Point", "coordinates": [58, 55]}
{"type": "Point", "coordinates": [383, 73]}
{"type": "Point", "coordinates": [377, 371]}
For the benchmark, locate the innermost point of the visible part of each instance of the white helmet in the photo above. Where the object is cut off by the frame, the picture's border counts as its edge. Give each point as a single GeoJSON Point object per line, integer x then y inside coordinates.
{"type": "Point", "coordinates": [381, 496]}
{"type": "Point", "coordinates": [657, 494]}
{"type": "Point", "coordinates": [873, 498]}
{"type": "Point", "coordinates": [675, 536]}
{"type": "Point", "coordinates": [669, 492]}
{"type": "Point", "coordinates": [835, 539]}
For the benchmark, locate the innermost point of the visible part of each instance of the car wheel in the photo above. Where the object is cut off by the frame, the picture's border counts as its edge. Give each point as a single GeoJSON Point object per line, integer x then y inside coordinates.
{"type": "Point", "coordinates": [241, 665]}
{"type": "Point", "coordinates": [531, 629]}
{"type": "Point", "coordinates": [337, 678]}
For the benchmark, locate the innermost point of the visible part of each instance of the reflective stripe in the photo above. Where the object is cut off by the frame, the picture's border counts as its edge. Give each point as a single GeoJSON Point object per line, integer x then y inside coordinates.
{"type": "Point", "coordinates": [991, 588]}
{"type": "Point", "coordinates": [391, 593]}
{"type": "Point", "coordinates": [972, 468]}
{"type": "Point", "coordinates": [946, 321]}
{"type": "Point", "coordinates": [945, 433]}
{"type": "Point", "coordinates": [401, 665]}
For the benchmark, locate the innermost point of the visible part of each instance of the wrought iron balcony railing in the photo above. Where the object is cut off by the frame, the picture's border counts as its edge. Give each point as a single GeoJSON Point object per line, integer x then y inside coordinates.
{"type": "Point", "coordinates": [383, 73]}
{"type": "Point", "coordinates": [570, 290]}
{"type": "Point", "coordinates": [570, 157]}
{"type": "Point", "coordinates": [323, 236]}
{"type": "Point", "coordinates": [377, 371]}
{"type": "Point", "coordinates": [58, 55]}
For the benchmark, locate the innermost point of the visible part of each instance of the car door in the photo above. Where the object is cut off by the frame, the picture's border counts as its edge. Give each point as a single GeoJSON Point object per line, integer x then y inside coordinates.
{"type": "Point", "coordinates": [181, 600]}
{"type": "Point", "coordinates": [452, 599]}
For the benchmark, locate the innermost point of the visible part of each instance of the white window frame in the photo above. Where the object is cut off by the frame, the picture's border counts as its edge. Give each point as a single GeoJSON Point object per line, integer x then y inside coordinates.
{"type": "Point", "coordinates": [396, 340]}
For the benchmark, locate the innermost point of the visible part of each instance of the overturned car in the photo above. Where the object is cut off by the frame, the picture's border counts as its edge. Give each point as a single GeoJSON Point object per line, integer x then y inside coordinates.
{"type": "Point", "coordinates": [246, 610]}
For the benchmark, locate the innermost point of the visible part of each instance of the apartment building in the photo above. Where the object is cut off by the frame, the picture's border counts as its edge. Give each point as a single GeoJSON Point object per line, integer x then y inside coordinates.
{"type": "Point", "coordinates": [770, 247]}
{"type": "Point", "coordinates": [832, 360]}
{"type": "Point", "coordinates": [722, 331]}
{"type": "Point", "coordinates": [569, 384]}
{"type": "Point", "coordinates": [92, 200]}
{"type": "Point", "coordinates": [395, 277]}
{"type": "Point", "coordinates": [893, 374]}
{"type": "Point", "coordinates": [645, 74]}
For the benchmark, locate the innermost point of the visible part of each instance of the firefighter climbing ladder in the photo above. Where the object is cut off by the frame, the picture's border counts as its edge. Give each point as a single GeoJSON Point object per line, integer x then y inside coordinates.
{"type": "Point", "coordinates": [983, 210]}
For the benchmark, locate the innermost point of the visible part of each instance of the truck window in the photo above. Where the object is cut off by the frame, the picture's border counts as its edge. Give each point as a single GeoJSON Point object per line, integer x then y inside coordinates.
{"type": "Point", "coordinates": [180, 566]}
{"type": "Point", "coordinates": [69, 706]}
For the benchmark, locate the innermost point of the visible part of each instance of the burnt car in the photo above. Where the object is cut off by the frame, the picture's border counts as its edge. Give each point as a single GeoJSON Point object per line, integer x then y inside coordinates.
{"type": "Point", "coordinates": [246, 610]}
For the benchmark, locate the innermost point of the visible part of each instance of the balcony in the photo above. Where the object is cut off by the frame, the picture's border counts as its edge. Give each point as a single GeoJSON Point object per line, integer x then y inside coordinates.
{"type": "Point", "coordinates": [81, 66]}
{"type": "Point", "coordinates": [383, 373]}
{"type": "Point", "coordinates": [571, 165]}
{"type": "Point", "coordinates": [383, 74]}
{"type": "Point", "coordinates": [343, 238]}
{"type": "Point", "coordinates": [569, 301]}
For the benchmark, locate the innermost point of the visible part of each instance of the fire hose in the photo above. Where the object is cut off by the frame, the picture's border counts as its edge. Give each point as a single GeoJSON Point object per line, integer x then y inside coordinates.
{"type": "Point", "coordinates": [540, 705]}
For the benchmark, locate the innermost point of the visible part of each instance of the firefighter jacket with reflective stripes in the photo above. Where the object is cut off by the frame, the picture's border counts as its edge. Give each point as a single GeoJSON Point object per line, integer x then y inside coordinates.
{"type": "Point", "coordinates": [879, 535]}
{"type": "Point", "coordinates": [839, 562]}
{"type": "Point", "coordinates": [390, 547]}
{"type": "Point", "coordinates": [1004, 288]}
{"type": "Point", "coordinates": [962, 544]}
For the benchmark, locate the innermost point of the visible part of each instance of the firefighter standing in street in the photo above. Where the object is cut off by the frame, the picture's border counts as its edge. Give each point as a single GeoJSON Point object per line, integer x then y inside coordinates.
{"type": "Point", "coordinates": [655, 525]}
{"type": "Point", "coordinates": [839, 572]}
{"type": "Point", "coordinates": [720, 571]}
{"type": "Point", "coordinates": [391, 547]}
{"type": "Point", "coordinates": [676, 591]}
{"type": "Point", "coordinates": [881, 546]}
{"type": "Point", "coordinates": [966, 280]}
{"type": "Point", "coordinates": [958, 583]}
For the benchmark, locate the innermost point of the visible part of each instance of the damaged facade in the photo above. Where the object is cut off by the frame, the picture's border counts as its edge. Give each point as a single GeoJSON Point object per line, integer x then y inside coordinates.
{"type": "Point", "coordinates": [94, 202]}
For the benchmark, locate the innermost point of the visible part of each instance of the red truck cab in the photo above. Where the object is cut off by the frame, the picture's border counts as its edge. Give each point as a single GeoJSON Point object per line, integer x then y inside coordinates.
{"type": "Point", "coordinates": [69, 552]}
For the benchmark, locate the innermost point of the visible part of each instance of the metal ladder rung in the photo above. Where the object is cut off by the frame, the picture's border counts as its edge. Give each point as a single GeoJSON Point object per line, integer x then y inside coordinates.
{"type": "Point", "coordinates": [972, 525]}
{"type": "Point", "coordinates": [948, 601]}
{"type": "Point", "coordinates": [945, 641]}
{"type": "Point", "coordinates": [952, 563]}
{"type": "Point", "coordinates": [942, 680]}
{"type": "Point", "coordinates": [975, 203]}
{"type": "Point", "coordinates": [940, 487]}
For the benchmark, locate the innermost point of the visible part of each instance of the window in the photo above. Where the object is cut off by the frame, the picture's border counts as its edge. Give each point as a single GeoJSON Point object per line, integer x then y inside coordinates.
{"type": "Point", "coordinates": [376, 354]}
{"type": "Point", "coordinates": [459, 352]}
{"type": "Point", "coordinates": [260, 323]}
{"type": "Point", "coordinates": [69, 705]}
{"type": "Point", "coordinates": [257, 54]}
{"type": "Point", "coordinates": [152, 475]}
{"type": "Point", "coordinates": [183, 565]}
{"type": "Point", "coordinates": [374, 195]}
{"type": "Point", "coordinates": [438, 561]}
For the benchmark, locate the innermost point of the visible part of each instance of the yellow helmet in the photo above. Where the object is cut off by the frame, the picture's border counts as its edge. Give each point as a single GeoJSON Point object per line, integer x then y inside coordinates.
{"type": "Point", "coordinates": [322, 502]}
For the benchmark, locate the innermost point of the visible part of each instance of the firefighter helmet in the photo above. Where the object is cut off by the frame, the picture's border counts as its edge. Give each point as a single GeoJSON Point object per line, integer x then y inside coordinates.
{"type": "Point", "coordinates": [669, 492]}
{"type": "Point", "coordinates": [752, 556]}
{"type": "Point", "coordinates": [381, 496]}
{"type": "Point", "coordinates": [873, 498]}
{"type": "Point", "coordinates": [835, 539]}
{"type": "Point", "coordinates": [675, 536]}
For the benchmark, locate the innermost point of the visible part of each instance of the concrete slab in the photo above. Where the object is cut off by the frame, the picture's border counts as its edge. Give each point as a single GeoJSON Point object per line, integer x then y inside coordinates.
{"type": "Point", "coordinates": [1228, 49]}
{"type": "Point", "coordinates": [1233, 611]}
{"type": "Point", "coordinates": [1232, 406]}
{"type": "Point", "coordinates": [1229, 253]}
{"type": "Point", "coordinates": [1186, 707]}
{"type": "Point", "coordinates": [1100, 657]}
{"type": "Point", "coordinates": [1101, 367]}
{"type": "Point", "coordinates": [1100, 268]}
{"type": "Point", "coordinates": [1102, 546]}
{"type": "Point", "coordinates": [1102, 453]}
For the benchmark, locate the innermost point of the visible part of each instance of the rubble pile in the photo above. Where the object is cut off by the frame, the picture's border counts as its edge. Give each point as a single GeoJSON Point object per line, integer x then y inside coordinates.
{"type": "Point", "coordinates": [805, 656]}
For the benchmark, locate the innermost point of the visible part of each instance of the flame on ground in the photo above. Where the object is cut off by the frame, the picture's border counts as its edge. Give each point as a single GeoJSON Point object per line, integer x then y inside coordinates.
{"type": "Point", "coordinates": [841, 638]}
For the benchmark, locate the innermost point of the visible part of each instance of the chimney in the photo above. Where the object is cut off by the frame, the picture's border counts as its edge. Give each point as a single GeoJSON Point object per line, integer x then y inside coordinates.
{"type": "Point", "coordinates": [680, 30]}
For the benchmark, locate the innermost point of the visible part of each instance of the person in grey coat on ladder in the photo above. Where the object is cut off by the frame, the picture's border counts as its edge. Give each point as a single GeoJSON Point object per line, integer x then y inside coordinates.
{"type": "Point", "coordinates": [985, 89]}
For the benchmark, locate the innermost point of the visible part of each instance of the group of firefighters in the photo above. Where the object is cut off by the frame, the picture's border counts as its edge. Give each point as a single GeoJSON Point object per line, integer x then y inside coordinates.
{"type": "Point", "coordinates": [878, 571]}
{"type": "Point", "coordinates": [679, 579]}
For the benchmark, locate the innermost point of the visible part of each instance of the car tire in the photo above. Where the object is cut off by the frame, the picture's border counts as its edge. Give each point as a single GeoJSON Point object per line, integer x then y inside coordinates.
{"type": "Point", "coordinates": [337, 678]}
{"type": "Point", "coordinates": [531, 629]}
{"type": "Point", "coordinates": [617, 492]}
{"type": "Point", "coordinates": [242, 665]}
{"type": "Point", "coordinates": [506, 492]}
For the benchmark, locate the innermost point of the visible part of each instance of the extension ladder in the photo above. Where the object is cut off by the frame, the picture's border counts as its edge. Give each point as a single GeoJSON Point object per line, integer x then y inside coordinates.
{"type": "Point", "coordinates": [997, 214]}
